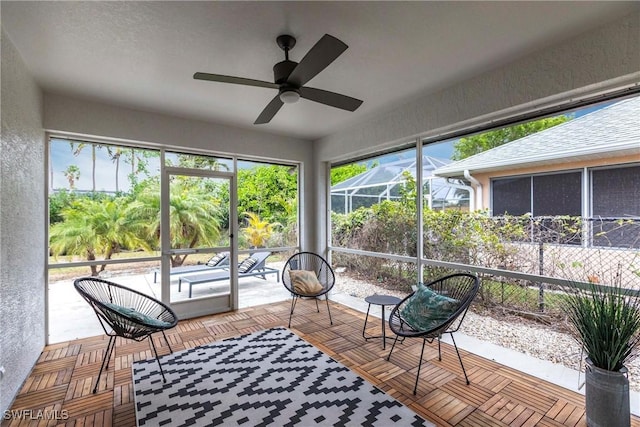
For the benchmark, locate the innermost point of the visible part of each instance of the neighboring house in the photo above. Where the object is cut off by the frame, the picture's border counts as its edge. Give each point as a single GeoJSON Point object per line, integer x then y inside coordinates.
{"type": "Point", "coordinates": [588, 166]}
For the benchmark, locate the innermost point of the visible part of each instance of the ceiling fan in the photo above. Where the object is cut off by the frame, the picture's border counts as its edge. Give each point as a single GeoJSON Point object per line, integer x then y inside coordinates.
{"type": "Point", "coordinates": [290, 77]}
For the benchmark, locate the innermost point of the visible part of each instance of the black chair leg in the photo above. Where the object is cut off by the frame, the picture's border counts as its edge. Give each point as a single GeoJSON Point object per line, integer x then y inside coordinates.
{"type": "Point", "coordinates": [168, 344]}
{"type": "Point", "coordinates": [326, 298]}
{"type": "Point", "coordinates": [293, 306]}
{"type": "Point", "coordinates": [439, 351]}
{"type": "Point", "coordinates": [392, 347]}
{"type": "Point", "coordinates": [415, 388]}
{"type": "Point", "coordinates": [105, 360]}
{"type": "Point", "coordinates": [113, 345]}
{"type": "Point", "coordinates": [460, 359]}
{"type": "Point", "coordinates": [317, 307]}
{"type": "Point", "coordinates": [153, 346]}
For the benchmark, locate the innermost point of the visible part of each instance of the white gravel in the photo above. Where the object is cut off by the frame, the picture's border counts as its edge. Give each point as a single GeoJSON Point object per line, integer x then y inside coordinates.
{"type": "Point", "coordinates": [526, 336]}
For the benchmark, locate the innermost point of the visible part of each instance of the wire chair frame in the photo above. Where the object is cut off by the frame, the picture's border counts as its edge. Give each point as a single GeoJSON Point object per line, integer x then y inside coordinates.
{"type": "Point", "coordinates": [102, 295]}
{"type": "Point", "coordinates": [460, 286]}
{"type": "Point", "coordinates": [312, 262]}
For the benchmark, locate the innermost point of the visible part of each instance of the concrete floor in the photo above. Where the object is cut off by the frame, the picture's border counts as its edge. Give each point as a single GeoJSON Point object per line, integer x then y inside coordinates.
{"type": "Point", "coordinates": [70, 317]}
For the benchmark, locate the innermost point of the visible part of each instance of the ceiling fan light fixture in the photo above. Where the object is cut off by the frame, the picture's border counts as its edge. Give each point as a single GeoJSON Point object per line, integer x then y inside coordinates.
{"type": "Point", "coordinates": [289, 96]}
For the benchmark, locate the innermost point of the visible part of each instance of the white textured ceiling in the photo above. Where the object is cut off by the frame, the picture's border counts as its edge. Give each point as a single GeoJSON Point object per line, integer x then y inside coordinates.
{"type": "Point", "coordinates": [143, 54]}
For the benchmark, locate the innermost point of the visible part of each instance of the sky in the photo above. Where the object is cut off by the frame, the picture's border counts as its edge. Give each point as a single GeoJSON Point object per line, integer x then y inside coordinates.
{"type": "Point", "coordinates": [442, 150]}
{"type": "Point", "coordinates": [62, 157]}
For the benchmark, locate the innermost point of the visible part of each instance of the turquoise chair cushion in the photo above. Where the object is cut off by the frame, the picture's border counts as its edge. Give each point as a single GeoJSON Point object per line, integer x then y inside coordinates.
{"type": "Point", "coordinates": [136, 315]}
{"type": "Point", "coordinates": [427, 309]}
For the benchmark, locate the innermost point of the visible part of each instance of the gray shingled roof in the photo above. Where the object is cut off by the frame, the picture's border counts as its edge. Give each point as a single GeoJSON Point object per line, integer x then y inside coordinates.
{"type": "Point", "coordinates": [611, 131]}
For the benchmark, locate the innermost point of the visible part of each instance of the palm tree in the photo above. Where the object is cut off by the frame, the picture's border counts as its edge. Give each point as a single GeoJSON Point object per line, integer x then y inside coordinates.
{"type": "Point", "coordinates": [258, 231]}
{"type": "Point", "coordinates": [194, 216]}
{"type": "Point", "coordinates": [72, 173]}
{"type": "Point", "coordinates": [139, 160]}
{"type": "Point", "coordinates": [131, 157]}
{"type": "Point", "coordinates": [114, 154]}
{"type": "Point", "coordinates": [90, 228]}
{"type": "Point", "coordinates": [201, 162]}
{"type": "Point", "coordinates": [76, 152]}
{"type": "Point", "coordinates": [290, 217]}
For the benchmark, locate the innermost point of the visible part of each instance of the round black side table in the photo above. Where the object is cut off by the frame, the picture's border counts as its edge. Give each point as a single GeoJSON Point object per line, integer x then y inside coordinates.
{"type": "Point", "coordinates": [381, 300]}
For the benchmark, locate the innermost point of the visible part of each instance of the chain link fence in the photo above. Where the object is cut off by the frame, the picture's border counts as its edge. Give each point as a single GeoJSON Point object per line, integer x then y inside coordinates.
{"type": "Point", "coordinates": [605, 251]}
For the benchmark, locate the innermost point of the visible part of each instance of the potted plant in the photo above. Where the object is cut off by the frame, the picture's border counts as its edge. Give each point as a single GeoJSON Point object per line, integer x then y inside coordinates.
{"type": "Point", "coordinates": [606, 322]}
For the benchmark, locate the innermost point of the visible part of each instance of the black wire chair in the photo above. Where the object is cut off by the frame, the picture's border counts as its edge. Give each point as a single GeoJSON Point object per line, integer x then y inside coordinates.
{"type": "Point", "coordinates": [125, 313]}
{"type": "Point", "coordinates": [462, 287]}
{"type": "Point", "coordinates": [311, 262]}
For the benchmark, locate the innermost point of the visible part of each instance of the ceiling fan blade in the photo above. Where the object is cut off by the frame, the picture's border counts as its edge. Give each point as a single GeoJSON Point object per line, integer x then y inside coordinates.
{"type": "Point", "coordinates": [317, 59]}
{"type": "Point", "coordinates": [330, 98]}
{"type": "Point", "coordinates": [235, 80]}
{"type": "Point", "coordinates": [269, 111]}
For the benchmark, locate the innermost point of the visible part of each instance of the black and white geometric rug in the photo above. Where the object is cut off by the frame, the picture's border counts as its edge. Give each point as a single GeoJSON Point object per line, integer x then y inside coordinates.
{"type": "Point", "coordinates": [268, 378]}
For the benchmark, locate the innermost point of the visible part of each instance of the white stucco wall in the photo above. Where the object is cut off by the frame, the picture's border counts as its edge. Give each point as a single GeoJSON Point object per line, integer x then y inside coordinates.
{"type": "Point", "coordinates": [22, 224]}
{"type": "Point", "coordinates": [76, 116]}
{"type": "Point", "coordinates": [595, 62]}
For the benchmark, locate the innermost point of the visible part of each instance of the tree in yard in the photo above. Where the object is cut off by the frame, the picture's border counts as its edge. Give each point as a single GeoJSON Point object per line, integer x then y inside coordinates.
{"type": "Point", "coordinates": [194, 216]}
{"type": "Point", "coordinates": [72, 173]}
{"type": "Point", "coordinates": [344, 172]}
{"type": "Point", "coordinates": [58, 201]}
{"type": "Point", "coordinates": [267, 191]}
{"type": "Point", "coordinates": [201, 162]}
{"type": "Point", "coordinates": [258, 231]}
{"type": "Point", "coordinates": [289, 225]}
{"type": "Point", "coordinates": [115, 153]}
{"type": "Point", "coordinates": [76, 148]}
{"type": "Point", "coordinates": [467, 147]}
{"type": "Point", "coordinates": [97, 227]}
{"type": "Point", "coordinates": [139, 161]}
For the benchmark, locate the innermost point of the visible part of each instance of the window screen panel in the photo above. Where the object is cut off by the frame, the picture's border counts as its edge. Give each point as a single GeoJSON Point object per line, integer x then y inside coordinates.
{"type": "Point", "coordinates": [616, 192]}
{"type": "Point", "coordinates": [511, 196]}
{"type": "Point", "coordinates": [557, 194]}
{"type": "Point", "coordinates": [616, 233]}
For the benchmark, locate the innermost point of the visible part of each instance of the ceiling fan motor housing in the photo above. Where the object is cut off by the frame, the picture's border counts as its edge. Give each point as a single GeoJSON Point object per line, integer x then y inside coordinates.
{"type": "Point", "coordinates": [282, 70]}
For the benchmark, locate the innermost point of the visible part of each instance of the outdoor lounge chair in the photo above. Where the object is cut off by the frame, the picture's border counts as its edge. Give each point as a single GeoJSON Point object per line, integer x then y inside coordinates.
{"type": "Point", "coordinates": [125, 313]}
{"type": "Point", "coordinates": [439, 308]}
{"type": "Point", "coordinates": [253, 265]}
{"type": "Point", "coordinates": [299, 288]}
{"type": "Point", "coordinates": [215, 262]}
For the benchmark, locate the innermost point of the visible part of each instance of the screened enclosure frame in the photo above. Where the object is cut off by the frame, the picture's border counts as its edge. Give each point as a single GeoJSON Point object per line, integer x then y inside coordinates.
{"type": "Point", "coordinates": [383, 181]}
